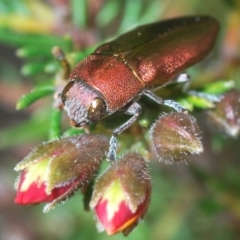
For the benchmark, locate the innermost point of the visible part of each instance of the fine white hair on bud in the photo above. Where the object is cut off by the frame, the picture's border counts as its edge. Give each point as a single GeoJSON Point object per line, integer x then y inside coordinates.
{"type": "Point", "coordinates": [175, 137]}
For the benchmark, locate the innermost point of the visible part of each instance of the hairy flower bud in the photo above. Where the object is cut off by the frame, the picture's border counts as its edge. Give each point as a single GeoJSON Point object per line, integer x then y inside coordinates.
{"type": "Point", "coordinates": [122, 194]}
{"type": "Point", "coordinates": [176, 136]}
{"type": "Point", "coordinates": [55, 170]}
{"type": "Point", "coordinates": [226, 114]}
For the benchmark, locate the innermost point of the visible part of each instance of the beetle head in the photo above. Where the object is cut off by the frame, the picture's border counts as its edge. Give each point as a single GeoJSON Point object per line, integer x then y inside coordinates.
{"type": "Point", "coordinates": [83, 104]}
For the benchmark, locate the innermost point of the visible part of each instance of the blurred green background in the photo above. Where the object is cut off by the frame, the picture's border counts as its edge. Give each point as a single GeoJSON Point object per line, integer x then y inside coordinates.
{"type": "Point", "coordinates": [198, 200]}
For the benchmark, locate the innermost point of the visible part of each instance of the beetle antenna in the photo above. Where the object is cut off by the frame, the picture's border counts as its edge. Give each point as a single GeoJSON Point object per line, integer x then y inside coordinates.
{"type": "Point", "coordinates": [59, 54]}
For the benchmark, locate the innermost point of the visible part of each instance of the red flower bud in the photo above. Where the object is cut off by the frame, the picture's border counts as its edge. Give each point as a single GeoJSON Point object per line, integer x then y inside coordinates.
{"type": "Point", "coordinates": [31, 187]}
{"type": "Point", "coordinates": [176, 136]}
{"type": "Point", "coordinates": [122, 194]}
{"type": "Point", "coordinates": [55, 170]}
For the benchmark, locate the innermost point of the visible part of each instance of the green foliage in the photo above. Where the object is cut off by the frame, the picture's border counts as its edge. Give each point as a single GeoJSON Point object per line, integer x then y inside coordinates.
{"type": "Point", "coordinates": [34, 95]}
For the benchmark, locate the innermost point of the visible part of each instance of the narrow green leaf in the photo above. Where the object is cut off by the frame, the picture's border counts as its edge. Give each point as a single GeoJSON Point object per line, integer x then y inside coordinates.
{"type": "Point", "coordinates": [219, 87]}
{"type": "Point", "coordinates": [33, 68]}
{"type": "Point", "coordinates": [79, 13]}
{"type": "Point", "coordinates": [186, 104]}
{"type": "Point", "coordinates": [41, 41]}
{"type": "Point", "coordinates": [55, 124]}
{"type": "Point", "coordinates": [153, 11]}
{"type": "Point", "coordinates": [107, 13]}
{"type": "Point", "coordinates": [33, 51]}
{"type": "Point", "coordinates": [52, 67]}
{"type": "Point", "coordinates": [131, 16]}
{"type": "Point", "coordinates": [199, 102]}
{"type": "Point", "coordinates": [34, 95]}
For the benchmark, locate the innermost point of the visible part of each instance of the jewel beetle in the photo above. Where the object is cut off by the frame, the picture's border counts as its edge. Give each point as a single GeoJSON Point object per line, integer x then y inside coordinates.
{"type": "Point", "coordinates": [119, 72]}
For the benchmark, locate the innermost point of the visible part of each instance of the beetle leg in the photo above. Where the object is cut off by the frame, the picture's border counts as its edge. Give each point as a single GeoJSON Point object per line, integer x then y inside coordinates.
{"type": "Point", "coordinates": [182, 78]}
{"type": "Point", "coordinates": [112, 149]}
{"type": "Point", "coordinates": [170, 103]}
{"type": "Point", "coordinates": [135, 110]}
{"type": "Point", "coordinates": [207, 96]}
{"type": "Point", "coordinates": [175, 105]}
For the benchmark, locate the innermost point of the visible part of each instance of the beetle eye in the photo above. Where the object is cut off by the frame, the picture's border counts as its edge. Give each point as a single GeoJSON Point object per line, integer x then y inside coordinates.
{"type": "Point", "coordinates": [97, 110]}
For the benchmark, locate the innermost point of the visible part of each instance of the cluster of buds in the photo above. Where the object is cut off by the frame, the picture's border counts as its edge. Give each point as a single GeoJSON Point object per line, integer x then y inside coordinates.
{"type": "Point", "coordinates": [120, 198]}
{"type": "Point", "coordinates": [54, 171]}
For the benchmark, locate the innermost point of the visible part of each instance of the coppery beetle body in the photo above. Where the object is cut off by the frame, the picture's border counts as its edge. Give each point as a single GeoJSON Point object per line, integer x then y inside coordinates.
{"type": "Point", "coordinates": [111, 77]}
{"type": "Point", "coordinates": [147, 57]}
